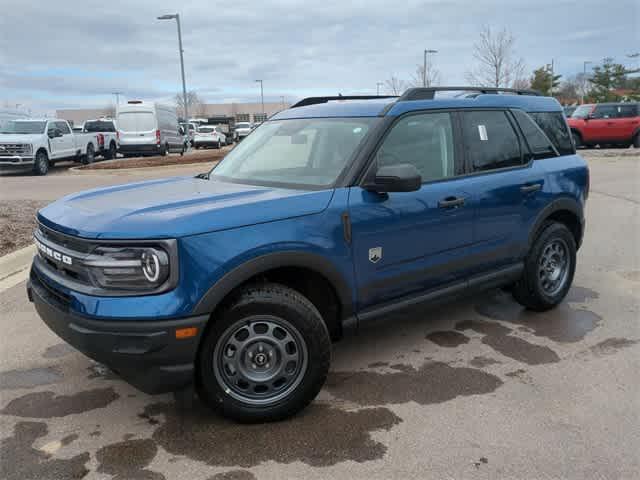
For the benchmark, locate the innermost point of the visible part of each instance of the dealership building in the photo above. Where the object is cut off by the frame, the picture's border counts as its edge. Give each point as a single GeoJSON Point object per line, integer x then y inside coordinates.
{"type": "Point", "coordinates": [242, 112]}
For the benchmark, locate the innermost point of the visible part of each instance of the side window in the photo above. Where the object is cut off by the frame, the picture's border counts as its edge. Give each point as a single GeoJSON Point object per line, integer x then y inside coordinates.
{"type": "Point", "coordinates": [63, 127]}
{"type": "Point", "coordinates": [605, 111]}
{"type": "Point", "coordinates": [51, 128]}
{"type": "Point", "coordinates": [554, 125]}
{"type": "Point", "coordinates": [490, 140]}
{"type": "Point", "coordinates": [628, 111]}
{"type": "Point", "coordinates": [539, 145]}
{"type": "Point", "coordinates": [424, 141]}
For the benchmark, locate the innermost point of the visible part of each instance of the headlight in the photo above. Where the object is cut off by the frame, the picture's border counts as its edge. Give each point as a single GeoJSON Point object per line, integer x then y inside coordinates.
{"type": "Point", "coordinates": [129, 268]}
{"type": "Point", "coordinates": [28, 148]}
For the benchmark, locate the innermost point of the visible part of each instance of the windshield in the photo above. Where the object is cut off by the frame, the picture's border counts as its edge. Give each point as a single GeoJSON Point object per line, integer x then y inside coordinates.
{"type": "Point", "coordinates": [310, 152]}
{"type": "Point", "coordinates": [23, 127]}
{"type": "Point", "coordinates": [582, 111]}
{"type": "Point", "coordinates": [243, 125]}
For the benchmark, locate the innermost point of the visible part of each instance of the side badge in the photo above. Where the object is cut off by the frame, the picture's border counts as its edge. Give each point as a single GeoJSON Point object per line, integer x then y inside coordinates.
{"type": "Point", "coordinates": [375, 254]}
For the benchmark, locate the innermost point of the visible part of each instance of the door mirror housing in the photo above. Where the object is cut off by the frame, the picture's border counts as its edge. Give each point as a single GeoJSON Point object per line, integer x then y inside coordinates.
{"type": "Point", "coordinates": [55, 133]}
{"type": "Point", "coordinates": [402, 177]}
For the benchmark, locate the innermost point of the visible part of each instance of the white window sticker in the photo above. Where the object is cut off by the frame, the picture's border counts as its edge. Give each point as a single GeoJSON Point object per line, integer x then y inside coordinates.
{"type": "Point", "coordinates": [482, 130]}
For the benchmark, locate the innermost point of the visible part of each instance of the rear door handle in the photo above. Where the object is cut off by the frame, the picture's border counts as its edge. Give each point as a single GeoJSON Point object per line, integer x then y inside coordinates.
{"type": "Point", "coordinates": [531, 188]}
{"type": "Point", "coordinates": [451, 202]}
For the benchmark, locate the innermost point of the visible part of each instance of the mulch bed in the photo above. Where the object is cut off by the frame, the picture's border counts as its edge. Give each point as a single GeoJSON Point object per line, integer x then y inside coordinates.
{"type": "Point", "coordinates": [196, 156]}
{"type": "Point", "coordinates": [17, 222]}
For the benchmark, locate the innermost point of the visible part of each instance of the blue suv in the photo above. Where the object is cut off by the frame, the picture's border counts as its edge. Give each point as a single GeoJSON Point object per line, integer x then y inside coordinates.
{"type": "Point", "coordinates": [334, 212]}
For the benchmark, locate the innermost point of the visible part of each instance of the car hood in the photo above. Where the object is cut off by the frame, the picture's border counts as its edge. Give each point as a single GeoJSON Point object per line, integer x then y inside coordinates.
{"type": "Point", "coordinates": [20, 138]}
{"type": "Point", "coordinates": [176, 207]}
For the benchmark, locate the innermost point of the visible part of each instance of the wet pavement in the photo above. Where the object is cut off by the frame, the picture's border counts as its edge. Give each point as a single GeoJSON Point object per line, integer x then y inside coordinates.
{"type": "Point", "coordinates": [480, 388]}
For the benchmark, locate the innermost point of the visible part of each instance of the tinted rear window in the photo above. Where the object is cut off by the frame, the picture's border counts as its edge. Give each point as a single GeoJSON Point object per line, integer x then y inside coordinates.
{"type": "Point", "coordinates": [554, 125]}
{"type": "Point", "coordinates": [99, 126]}
{"type": "Point", "coordinates": [136, 121]}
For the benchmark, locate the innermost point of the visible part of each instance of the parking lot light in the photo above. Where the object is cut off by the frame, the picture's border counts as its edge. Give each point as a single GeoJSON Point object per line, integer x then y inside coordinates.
{"type": "Point", "coordinates": [261, 98]}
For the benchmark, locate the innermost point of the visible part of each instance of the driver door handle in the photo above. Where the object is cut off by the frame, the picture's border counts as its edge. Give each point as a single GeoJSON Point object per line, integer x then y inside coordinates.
{"type": "Point", "coordinates": [451, 202]}
{"type": "Point", "coordinates": [531, 188]}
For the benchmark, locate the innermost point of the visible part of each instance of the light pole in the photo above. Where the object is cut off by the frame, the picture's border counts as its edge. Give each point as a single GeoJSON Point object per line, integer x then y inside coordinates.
{"type": "Point", "coordinates": [282, 101]}
{"type": "Point", "coordinates": [550, 70]}
{"type": "Point", "coordinates": [378, 85]}
{"type": "Point", "coordinates": [261, 98]}
{"type": "Point", "coordinates": [584, 80]}
{"type": "Point", "coordinates": [117, 94]}
{"type": "Point", "coordinates": [184, 85]}
{"type": "Point", "coordinates": [424, 67]}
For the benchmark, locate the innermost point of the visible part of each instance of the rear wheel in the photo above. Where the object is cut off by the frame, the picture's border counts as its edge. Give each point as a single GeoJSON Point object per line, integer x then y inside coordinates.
{"type": "Point", "coordinates": [636, 141]}
{"type": "Point", "coordinates": [111, 153]}
{"type": "Point", "coordinates": [548, 270]}
{"type": "Point", "coordinates": [266, 356]}
{"type": "Point", "coordinates": [577, 139]}
{"type": "Point", "coordinates": [90, 156]}
{"type": "Point", "coordinates": [164, 150]}
{"type": "Point", "coordinates": [41, 163]}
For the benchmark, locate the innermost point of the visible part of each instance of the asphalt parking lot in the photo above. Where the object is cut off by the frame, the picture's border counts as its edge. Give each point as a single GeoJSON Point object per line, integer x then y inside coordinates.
{"type": "Point", "coordinates": [478, 389]}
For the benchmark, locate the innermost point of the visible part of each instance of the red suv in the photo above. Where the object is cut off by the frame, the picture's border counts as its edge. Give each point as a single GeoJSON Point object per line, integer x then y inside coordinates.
{"type": "Point", "coordinates": [606, 124]}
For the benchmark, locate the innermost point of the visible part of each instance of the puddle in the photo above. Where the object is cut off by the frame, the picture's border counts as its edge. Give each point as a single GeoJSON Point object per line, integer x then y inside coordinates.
{"type": "Point", "coordinates": [33, 377]}
{"type": "Point", "coordinates": [234, 475]}
{"type": "Point", "coordinates": [498, 337]}
{"type": "Point", "coordinates": [50, 405]}
{"type": "Point", "coordinates": [321, 435]}
{"type": "Point", "coordinates": [433, 382]}
{"type": "Point", "coordinates": [59, 350]}
{"type": "Point", "coordinates": [480, 361]}
{"type": "Point", "coordinates": [579, 294]}
{"type": "Point", "coordinates": [562, 324]}
{"type": "Point", "coordinates": [612, 345]}
{"type": "Point", "coordinates": [448, 338]}
{"type": "Point", "coordinates": [128, 460]}
{"type": "Point", "coordinates": [19, 460]}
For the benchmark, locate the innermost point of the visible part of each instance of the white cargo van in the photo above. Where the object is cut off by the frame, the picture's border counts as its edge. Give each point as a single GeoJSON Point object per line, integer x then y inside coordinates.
{"type": "Point", "coordinates": [148, 129]}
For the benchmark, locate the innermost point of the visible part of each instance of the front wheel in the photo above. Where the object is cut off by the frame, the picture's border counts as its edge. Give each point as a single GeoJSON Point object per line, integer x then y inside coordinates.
{"type": "Point", "coordinates": [265, 357]}
{"type": "Point", "coordinates": [548, 270]}
{"type": "Point", "coordinates": [41, 164]}
{"type": "Point", "coordinates": [636, 141]}
{"type": "Point", "coordinates": [577, 140]}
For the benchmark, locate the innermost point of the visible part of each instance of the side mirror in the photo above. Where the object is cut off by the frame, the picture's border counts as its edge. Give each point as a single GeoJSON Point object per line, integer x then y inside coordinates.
{"type": "Point", "coordinates": [181, 130]}
{"type": "Point", "coordinates": [402, 177]}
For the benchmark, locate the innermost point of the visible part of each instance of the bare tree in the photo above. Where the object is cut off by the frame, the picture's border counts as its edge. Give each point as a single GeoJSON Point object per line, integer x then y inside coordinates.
{"type": "Point", "coordinates": [497, 65]}
{"type": "Point", "coordinates": [395, 85]}
{"type": "Point", "coordinates": [432, 77]}
{"type": "Point", "coordinates": [194, 104]}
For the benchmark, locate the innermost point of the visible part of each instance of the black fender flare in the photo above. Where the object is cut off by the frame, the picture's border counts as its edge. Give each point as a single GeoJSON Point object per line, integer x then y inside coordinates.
{"type": "Point", "coordinates": [236, 277]}
{"type": "Point", "coordinates": [562, 204]}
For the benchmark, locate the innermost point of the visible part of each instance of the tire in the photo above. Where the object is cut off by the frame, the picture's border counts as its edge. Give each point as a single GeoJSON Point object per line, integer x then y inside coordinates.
{"type": "Point", "coordinates": [111, 153]}
{"type": "Point", "coordinates": [636, 141]}
{"type": "Point", "coordinates": [41, 164]}
{"type": "Point", "coordinates": [248, 342]}
{"type": "Point", "coordinates": [548, 270]}
{"type": "Point", "coordinates": [164, 151]}
{"type": "Point", "coordinates": [219, 145]}
{"type": "Point", "coordinates": [90, 156]}
{"type": "Point", "coordinates": [577, 139]}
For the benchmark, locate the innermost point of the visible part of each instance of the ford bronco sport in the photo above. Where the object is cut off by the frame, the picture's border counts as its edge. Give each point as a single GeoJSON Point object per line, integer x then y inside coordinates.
{"type": "Point", "coordinates": [333, 212]}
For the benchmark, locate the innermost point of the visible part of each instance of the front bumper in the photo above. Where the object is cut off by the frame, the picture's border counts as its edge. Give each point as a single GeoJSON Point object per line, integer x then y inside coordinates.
{"type": "Point", "coordinates": [145, 354]}
{"type": "Point", "coordinates": [15, 163]}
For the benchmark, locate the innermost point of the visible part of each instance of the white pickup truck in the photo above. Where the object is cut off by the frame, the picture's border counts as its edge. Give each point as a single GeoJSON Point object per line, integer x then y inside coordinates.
{"type": "Point", "coordinates": [36, 144]}
{"type": "Point", "coordinates": [108, 136]}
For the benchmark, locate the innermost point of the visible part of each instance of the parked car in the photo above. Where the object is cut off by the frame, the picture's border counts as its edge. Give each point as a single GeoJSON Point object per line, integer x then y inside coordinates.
{"type": "Point", "coordinates": [242, 130]}
{"type": "Point", "coordinates": [148, 129]}
{"type": "Point", "coordinates": [209, 136]}
{"type": "Point", "coordinates": [108, 136]}
{"type": "Point", "coordinates": [605, 124]}
{"type": "Point", "coordinates": [568, 111]}
{"type": "Point", "coordinates": [36, 144]}
{"type": "Point", "coordinates": [326, 217]}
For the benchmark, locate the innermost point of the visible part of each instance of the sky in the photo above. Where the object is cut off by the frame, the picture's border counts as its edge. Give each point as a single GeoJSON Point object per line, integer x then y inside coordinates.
{"type": "Point", "coordinates": [72, 53]}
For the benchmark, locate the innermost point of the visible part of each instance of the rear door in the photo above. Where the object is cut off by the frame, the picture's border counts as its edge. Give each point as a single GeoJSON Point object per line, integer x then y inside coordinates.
{"type": "Point", "coordinates": [505, 183]}
{"type": "Point", "coordinates": [627, 122]}
{"type": "Point", "coordinates": [410, 242]}
{"type": "Point", "coordinates": [137, 127]}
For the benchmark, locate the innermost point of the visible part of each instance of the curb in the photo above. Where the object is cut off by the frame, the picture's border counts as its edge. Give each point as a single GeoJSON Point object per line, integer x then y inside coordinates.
{"type": "Point", "coordinates": [14, 267]}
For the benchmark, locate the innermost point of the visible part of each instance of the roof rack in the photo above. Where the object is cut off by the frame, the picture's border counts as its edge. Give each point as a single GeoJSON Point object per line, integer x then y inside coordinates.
{"type": "Point", "coordinates": [316, 100]}
{"type": "Point", "coordinates": [428, 93]}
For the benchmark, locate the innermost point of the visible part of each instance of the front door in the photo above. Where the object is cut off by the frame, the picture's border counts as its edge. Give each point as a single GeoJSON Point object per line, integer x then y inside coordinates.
{"type": "Point", "coordinates": [410, 242]}
{"type": "Point", "coordinates": [67, 142]}
{"type": "Point", "coordinates": [56, 141]}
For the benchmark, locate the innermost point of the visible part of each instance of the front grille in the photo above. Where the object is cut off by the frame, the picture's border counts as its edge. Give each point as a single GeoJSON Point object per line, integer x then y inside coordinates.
{"type": "Point", "coordinates": [73, 247]}
{"type": "Point", "coordinates": [10, 149]}
{"type": "Point", "coordinates": [63, 240]}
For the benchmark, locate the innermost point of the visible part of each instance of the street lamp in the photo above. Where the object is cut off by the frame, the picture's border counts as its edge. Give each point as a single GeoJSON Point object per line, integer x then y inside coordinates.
{"type": "Point", "coordinates": [584, 80]}
{"type": "Point", "coordinates": [282, 101]}
{"type": "Point", "coordinates": [424, 67]}
{"type": "Point", "coordinates": [184, 85]}
{"type": "Point", "coordinates": [261, 99]}
{"type": "Point", "coordinates": [117, 94]}
{"type": "Point", "coordinates": [378, 85]}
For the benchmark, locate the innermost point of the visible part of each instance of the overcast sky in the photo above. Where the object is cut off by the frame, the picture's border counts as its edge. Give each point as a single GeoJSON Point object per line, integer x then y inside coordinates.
{"type": "Point", "coordinates": [76, 53]}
